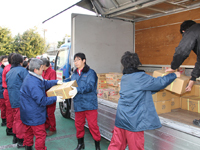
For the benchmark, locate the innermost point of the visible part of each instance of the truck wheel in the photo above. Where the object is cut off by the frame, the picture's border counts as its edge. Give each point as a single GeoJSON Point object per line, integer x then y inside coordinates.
{"type": "Point", "coordinates": [65, 108]}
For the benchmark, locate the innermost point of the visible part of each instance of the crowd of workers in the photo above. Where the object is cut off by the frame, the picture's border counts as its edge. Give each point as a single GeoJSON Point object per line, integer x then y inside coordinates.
{"type": "Point", "coordinates": [28, 112]}
{"type": "Point", "coordinates": [25, 109]}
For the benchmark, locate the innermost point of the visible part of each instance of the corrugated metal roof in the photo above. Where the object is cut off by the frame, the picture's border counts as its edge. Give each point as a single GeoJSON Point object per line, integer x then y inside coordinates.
{"type": "Point", "coordinates": [138, 10]}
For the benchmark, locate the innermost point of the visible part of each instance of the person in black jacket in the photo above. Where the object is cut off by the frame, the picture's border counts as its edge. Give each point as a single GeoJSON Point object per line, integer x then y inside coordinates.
{"type": "Point", "coordinates": [190, 31]}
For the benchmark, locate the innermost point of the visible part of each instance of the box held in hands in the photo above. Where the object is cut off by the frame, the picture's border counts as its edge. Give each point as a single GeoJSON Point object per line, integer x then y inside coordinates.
{"type": "Point", "coordinates": [62, 90]}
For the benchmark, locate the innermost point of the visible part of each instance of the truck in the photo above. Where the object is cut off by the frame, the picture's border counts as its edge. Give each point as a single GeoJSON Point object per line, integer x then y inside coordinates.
{"type": "Point", "coordinates": [151, 29]}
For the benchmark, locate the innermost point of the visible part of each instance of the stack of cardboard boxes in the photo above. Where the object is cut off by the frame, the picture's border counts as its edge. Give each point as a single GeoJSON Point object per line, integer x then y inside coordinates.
{"type": "Point", "coordinates": [101, 81]}
{"type": "Point", "coordinates": [174, 95]}
{"type": "Point", "coordinates": [111, 87]}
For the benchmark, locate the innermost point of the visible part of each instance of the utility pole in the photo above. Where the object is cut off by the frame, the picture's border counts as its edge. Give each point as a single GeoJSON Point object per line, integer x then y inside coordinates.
{"type": "Point", "coordinates": [44, 34]}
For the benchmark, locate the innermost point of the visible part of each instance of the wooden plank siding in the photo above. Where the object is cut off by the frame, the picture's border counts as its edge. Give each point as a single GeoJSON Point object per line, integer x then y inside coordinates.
{"type": "Point", "coordinates": [156, 39]}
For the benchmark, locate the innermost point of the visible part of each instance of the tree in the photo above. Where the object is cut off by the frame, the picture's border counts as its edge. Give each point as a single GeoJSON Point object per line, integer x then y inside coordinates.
{"type": "Point", "coordinates": [61, 42]}
{"type": "Point", "coordinates": [6, 41]}
{"type": "Point", "coordinates": [30, 43]}
{"type": "Point", "coordinates": [17, 42]}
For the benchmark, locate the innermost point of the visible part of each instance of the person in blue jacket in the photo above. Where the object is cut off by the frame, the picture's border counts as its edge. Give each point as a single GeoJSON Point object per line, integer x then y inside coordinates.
{"type": "Point", "coordinates": [4, 61]}
{"type": "Point", "coordinates": [14, 80]}
{"type": "Point", "coordinates": [85, 102]}
{"type": "Point", "coordinates": [33, 104]}
{"type": "Point", "coordinates": [136, 111]}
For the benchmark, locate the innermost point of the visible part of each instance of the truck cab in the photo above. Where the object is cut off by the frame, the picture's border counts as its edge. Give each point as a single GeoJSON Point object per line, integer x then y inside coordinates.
{"type": "Point", "coordinates": [63, 72]}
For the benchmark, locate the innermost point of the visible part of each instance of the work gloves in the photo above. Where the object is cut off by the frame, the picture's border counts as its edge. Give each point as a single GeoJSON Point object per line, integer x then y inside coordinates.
{"type": "Point", "coordinates": [59, 82]}
{"type": "Point", "coordinates": [59, 99]}
{"type": "Point", "coordinates": [73, 92]}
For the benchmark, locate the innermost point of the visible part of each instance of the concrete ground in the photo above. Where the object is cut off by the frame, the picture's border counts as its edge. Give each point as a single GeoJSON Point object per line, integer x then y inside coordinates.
{"type": "Point", "coordinates": [64, 139]}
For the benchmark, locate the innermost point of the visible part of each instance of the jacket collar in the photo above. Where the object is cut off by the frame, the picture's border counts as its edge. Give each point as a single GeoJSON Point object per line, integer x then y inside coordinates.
{"type": "Point", "coordinates": [48, 69]}
{"type": "Point", "coordinates": [85, 69]}
{"type": "Point", "coordinates": [131, 70]}
{"type": "Point", "coordinates": [36, 75]}
{"type": "Point", "coordinates": [2, 66]}
{"type": "Point", "coordinates": [14, 65]}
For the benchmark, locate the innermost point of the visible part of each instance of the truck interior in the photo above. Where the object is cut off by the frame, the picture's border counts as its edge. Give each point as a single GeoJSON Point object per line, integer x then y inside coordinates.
{"type": "Point", "coordinates": [156, 34]}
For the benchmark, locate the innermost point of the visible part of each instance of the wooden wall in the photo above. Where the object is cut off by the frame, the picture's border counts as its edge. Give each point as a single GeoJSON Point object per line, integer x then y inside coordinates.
{"type": "Point", "coordinates": [156, 39]}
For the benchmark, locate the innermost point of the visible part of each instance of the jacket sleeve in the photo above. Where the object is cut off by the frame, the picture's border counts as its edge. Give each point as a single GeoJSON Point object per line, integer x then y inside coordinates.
{"type": "Point", "coordinates": [90, 85]}
{"type": "Point", "coordinates": [196, 71]}
{"type": "Point", "coordinates": [41, 98]}
{"type": "Point", "coordinates": [184, 48]}
{"type": "Point", "coordinates": [149, 83]}
{"type": "Point", "coordinates": [48, 84]}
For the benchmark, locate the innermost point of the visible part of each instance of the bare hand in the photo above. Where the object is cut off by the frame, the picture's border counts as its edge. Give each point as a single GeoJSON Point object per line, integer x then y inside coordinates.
{"type": "Point", "coordinates": [178, 74]}
{"type": "Point", "coordinates": [189, 86]}
{"type": "Point", "coordinates": [170, 70]}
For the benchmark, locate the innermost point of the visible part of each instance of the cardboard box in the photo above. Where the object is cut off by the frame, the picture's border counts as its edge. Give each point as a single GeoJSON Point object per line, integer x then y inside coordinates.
{"type": "Point", "coordinates": [100, 95]}
{"type": "Point", "coordinates": [114, 98]}
{"type": "Point", "coordinates": [101, 75]}
{"type": "Point", "coordinates": [162, 95]}
{"type": "Point", "coordinates": [149, 73]}
{"type": "Point", "coordinates": [191, 104]}
{"type": "Point", "coordinates": [178, 85]}
{"type": "Point", "coordinates": [163, 106]}
{"type": "Point", "coordinates": [174, 95]}
{"type": "Point", "coordinates": [62, 90]}
{"type": "Point", "coordinates": [194, 92]}
{"type": "Point", "coordinates": [111, 82]}
{"type": "Point", "coordinates": [114, 76]}
{"type": "Point", "coordinates": [101, 81]}
{"type": "Point", "coordinates": [102, 86]}
{"type": "Point", "coordinates": [180, 69]}
{"type": "Point", "coordinates": [107, 93]}
{"type": "Point", "coordinates": [176, 103]}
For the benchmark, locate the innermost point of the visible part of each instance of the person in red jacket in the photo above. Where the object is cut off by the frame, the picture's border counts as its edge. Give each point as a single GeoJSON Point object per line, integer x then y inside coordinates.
{"type": "Point", "coordinates": [4, 62]}
{"type": "Point", "coordinates": [49, 74]}
{"type": "Point", "coordinates": [9, 113]}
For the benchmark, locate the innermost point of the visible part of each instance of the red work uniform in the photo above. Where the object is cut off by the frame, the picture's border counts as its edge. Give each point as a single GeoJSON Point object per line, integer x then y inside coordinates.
{"type": "Point", "coordinates": [50, 74]}
{"type": "Point", "coordinates": [9, 113]}
{"type": "Point", "coordinates": [3, 108]}
{"type": "Point", "coordinates": [2, 102]}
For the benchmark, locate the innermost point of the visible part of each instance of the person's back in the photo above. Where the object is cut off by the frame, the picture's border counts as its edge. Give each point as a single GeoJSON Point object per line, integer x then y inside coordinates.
{"type": "Point", "coordinates": [191, 39]}
{"type": "Point", "coordinates": [136, 111]}
{"type": "Point", "coordinates": [14, 80]}
{"type": "Point", "coordinates": [136, 103]}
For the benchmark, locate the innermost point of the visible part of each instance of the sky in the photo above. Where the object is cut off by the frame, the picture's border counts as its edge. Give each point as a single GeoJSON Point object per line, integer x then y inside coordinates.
{"type": "Point", "coordinates": [20, 15]}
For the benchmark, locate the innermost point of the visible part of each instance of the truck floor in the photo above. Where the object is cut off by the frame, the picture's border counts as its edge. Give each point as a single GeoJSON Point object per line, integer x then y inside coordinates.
{"type": "Point", "coordinates": [183, 116]}
{"type": "Point", "coordinates": [64, 139]}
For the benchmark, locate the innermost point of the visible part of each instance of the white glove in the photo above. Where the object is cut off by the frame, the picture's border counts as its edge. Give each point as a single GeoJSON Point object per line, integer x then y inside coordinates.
{"type": "Point", "coordinates": [59, 99]}
{"type": "Point", "coordinates": [73, 92]}
{"type": "Point", "coordinates": [59, 82]}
